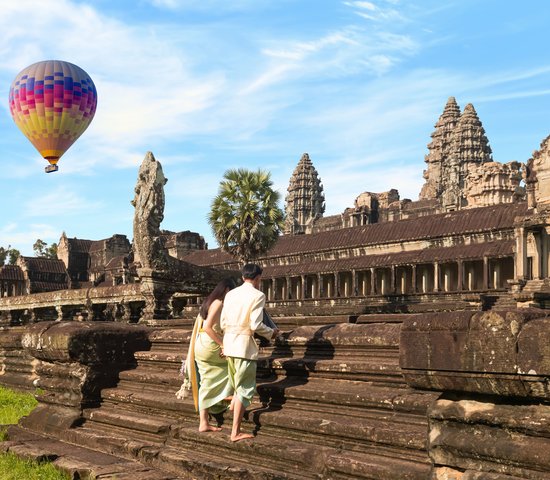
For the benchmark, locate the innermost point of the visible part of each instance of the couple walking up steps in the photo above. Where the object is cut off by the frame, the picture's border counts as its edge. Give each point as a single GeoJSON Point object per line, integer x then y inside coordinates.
{"type": "Point", "coordinates": [222, 369]}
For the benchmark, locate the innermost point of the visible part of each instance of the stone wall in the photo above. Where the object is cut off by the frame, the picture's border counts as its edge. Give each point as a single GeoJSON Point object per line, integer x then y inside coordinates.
{"type": "Point", "coordinates": [493, 419]}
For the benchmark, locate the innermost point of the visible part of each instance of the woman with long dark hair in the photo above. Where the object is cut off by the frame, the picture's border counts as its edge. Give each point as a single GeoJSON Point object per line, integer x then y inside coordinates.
{"type": "Point", "coordinates": [206, 365]}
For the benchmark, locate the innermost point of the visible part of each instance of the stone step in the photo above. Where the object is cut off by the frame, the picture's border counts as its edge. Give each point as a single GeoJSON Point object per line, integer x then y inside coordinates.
{"type": "Point", "coordinates": [152, 375]}
{"type": "Point", "coordinates": [315, 458]}
{"type": "Point", "coordinates": [281, 391]}
{"type": "Point", "coordinates": [294, 457]}
{"type": "Point", "coordinates": [325, 426]}
{"type": "Point", "coordinates": [77, 461]}
{"type": "Point", "coordinates": [385, 368]}
{"type": "Point", "coordinates": [171, 457]}
{"type": "Point", "coordinates": [201, 464]}
{"type": "Point", "coordinates": [348, 465]}
{"type": "Point", "coordinates": [383, 318]}
{"type": "Point", "coordinates": [286, 322]}
{"type": "Point", "coordinates": [342, 392]}
{"type": "Point", "coordinates": [346, 393]}
{"type": "Point", "coordinates": [295, 418]}
{"type": "Point", "coordinates": [133, 421]}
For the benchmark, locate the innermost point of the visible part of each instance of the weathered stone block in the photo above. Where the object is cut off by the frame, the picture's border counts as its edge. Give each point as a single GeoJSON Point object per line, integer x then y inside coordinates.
{"type": "Point", "coordinates": [494, 352]}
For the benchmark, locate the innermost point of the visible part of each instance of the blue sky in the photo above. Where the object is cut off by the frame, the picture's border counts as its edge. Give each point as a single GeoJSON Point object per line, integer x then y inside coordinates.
{"type": "Point", "coordinates": [208, 85]}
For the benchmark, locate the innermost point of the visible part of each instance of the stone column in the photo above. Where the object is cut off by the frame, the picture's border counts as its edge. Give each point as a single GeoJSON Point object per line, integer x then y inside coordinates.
{"type": "Point", "coordinates": [303, 287]}
{"type": "Point", "coordinates": [59, 310]}
{"type": "Point", "coordinates": [537, 255]}
{"type": "Point", "coordinates": [496, 275]}
{"type": "Point", "coordinates": [273, 289]}
{"type": "Point", "coordinates": [373, 281]}
{"type": "Point", "coordinates": [354, 284]}
{"type": "Point", "coordinates": [288, 287]}
{"type": "Point", "coordinates": [436, 277]}
{"type": "Point", "coordinates": [521, 253]}
{"type": "Point", "coordinates": [336, 285]}
{"type": "Point", "coordinates": [485, 273]}
{"type": "Point", "coordinates": [392, 288]}
{"type": "Point", "coordinates": [413, 284]}
{"type": "Point", "coordinates": [460, 281]}
{"type": "Point", "coordinates": [319, 285]}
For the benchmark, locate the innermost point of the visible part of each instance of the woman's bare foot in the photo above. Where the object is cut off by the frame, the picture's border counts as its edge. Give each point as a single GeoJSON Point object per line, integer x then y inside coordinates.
{"type": "Point", "coordinates": [241, 436]}
{"type": "Point", "coordinates": [209, 428]}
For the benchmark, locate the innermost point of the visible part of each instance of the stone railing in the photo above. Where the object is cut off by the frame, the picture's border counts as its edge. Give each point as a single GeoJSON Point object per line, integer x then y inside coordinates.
{"type": "Point", "coordinates": [100, 303]}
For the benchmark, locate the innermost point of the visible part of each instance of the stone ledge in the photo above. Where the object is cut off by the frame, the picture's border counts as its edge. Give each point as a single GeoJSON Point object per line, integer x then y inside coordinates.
{"type": "Point", "coordinates": [496, 352]}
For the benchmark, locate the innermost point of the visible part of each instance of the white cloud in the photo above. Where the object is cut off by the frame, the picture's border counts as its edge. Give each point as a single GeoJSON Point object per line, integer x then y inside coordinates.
{"type": "Point", "coordinates": [59, 203]}
{"type": "Point", "coordinates": [22, 237]}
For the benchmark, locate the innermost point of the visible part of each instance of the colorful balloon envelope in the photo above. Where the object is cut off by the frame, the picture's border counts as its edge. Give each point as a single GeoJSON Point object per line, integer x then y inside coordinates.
{"type": "Point", "coordinates": [52, 102]}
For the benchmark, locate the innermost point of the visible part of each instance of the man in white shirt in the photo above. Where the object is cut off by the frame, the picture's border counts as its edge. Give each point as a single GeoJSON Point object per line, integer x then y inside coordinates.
{"type": "Point", "coordinates": [241, 317]}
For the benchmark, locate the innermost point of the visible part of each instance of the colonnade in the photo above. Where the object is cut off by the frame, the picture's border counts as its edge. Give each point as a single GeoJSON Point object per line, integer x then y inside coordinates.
{"type": "Point", "coordinates": [11, 289]}
{"type": "Point", "coordinates": [532, 252]}
{"type": "Point", "coordinates": [457, 276]}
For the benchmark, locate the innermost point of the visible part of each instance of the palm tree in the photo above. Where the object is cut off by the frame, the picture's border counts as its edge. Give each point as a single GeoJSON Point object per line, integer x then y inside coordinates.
{"type": "Point", "coordinates": [245, 217]}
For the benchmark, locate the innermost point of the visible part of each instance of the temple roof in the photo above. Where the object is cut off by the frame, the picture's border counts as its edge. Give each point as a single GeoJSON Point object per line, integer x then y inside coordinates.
{"type": "Point", "coordinates": [44, 264]}
{"type": "Point", "coordinates": [79, 244]}
{"type": "Point", "coordinates": [498, 217]}
{"type": "Point", "coordinates": [425, 256]}
{"type": "Point", "coordinates": [11, 273]}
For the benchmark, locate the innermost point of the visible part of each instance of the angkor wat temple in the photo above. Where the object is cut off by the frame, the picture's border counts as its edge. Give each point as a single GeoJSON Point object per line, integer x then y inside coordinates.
{"type": "Point", "coordinates": [416, 340]}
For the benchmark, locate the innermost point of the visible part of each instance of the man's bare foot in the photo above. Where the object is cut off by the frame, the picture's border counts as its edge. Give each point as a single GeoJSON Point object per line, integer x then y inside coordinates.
{"type": "Point", "coordinates": [209, 428]}
{"type": "Point", "coordinates": [241, 436]}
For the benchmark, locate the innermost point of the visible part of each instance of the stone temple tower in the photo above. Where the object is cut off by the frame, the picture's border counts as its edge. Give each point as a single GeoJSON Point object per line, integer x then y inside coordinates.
{"type": "Point", "coordinates": [439, 150]}
{"type": "Point", "coordinates": [305, 201]}
{"type": "Point", "coordinates": [468, 149]}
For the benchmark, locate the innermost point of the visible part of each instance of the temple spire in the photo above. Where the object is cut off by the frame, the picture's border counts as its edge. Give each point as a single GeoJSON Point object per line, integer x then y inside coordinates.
{"type": "Point", "coordinates": [469, 143]}
{"type": "Point", "coordinates": [438, 150]}
{"type": "Point", "coordinates": [305, 201]}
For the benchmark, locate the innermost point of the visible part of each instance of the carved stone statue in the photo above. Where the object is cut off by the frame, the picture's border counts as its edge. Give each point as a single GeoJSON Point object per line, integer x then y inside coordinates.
{"type": "Point", "coordinates": [160, 274]}
{"type": "Point", "coordinates": [149, 212]}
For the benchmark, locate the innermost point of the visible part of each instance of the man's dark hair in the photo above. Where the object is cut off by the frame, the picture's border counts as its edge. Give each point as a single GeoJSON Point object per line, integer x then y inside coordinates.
{"type": "Point", "coordinates": [250, 271]}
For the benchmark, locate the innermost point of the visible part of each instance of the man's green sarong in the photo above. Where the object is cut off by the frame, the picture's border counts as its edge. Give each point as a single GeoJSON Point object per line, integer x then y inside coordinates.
{"type": "Point", "coordinates": [242, 376]}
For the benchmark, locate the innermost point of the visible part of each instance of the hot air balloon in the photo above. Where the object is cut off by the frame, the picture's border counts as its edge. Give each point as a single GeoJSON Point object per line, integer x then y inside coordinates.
{"type": "Point", "coordinates": [52, 102]}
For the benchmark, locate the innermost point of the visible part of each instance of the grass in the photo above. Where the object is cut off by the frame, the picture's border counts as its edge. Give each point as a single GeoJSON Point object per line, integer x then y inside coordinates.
{"type": "Point", "coordinates": [14, 468]}
{"type": "Point", "coordinates": [13, 406]}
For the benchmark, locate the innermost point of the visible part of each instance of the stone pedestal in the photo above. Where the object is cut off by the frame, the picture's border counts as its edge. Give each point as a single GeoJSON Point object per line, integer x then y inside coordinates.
{"type": "Point", "coordinates": [157, 289]}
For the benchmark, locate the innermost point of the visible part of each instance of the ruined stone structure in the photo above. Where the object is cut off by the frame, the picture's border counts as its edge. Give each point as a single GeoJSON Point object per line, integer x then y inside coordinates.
{"type": "Point", "coordinates": [305, 201]}
{"type": "Point", "coordinates": [179, 244]}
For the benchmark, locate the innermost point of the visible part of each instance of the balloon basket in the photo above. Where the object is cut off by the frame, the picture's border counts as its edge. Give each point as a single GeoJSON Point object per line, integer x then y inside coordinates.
{"type": "Point", "coordinates": [51, 168]}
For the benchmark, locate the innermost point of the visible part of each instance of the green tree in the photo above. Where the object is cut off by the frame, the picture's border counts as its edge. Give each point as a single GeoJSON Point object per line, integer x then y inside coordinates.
{"type": "Point", "coordinates": [13, 254]}
{"type": "Point", "coordinates": [9, 254]}
{"type": "Point", "coordinates": [51, 251]}
{"type": "Point", "coordinates": [41, 249]}
{"type": "Point", "coordinates": [4, 252]}
{"type": "Point", "coordinates": [245, 217]}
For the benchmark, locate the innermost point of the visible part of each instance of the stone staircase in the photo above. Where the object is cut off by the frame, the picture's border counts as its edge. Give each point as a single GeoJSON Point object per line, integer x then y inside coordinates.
{"type": "Point", "coordinates": [332, 405]}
